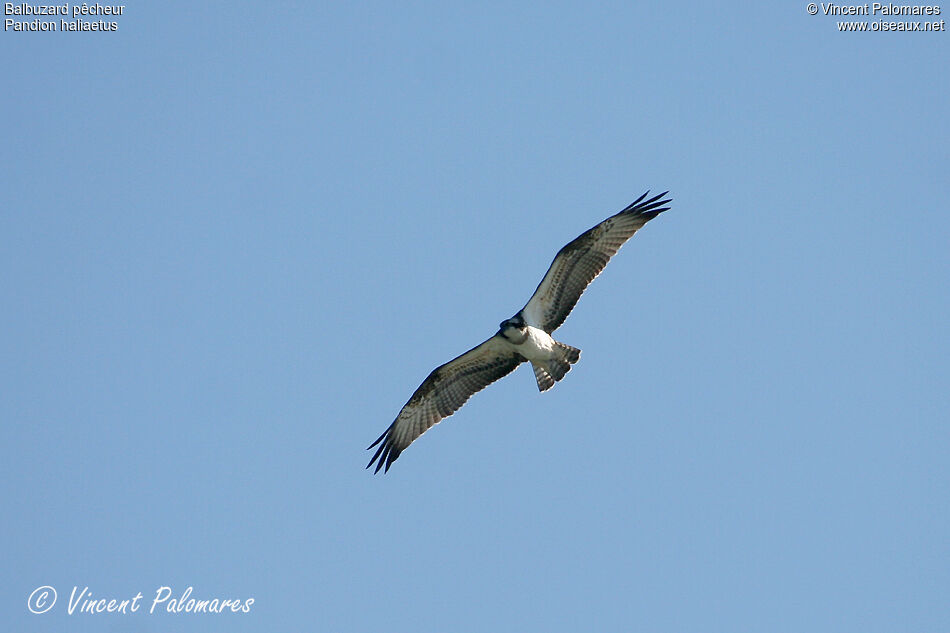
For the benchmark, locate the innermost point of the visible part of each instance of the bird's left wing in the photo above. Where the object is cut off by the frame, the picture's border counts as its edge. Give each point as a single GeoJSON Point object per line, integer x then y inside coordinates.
{"type": "Point", "coordinates": [441, 394]}
{"type": "Point", "coordinates": [580, 261]}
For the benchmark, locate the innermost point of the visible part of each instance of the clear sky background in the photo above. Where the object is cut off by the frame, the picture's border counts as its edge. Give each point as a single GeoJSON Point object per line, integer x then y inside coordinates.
{"type": "Point", "coordinates": [235, 237]}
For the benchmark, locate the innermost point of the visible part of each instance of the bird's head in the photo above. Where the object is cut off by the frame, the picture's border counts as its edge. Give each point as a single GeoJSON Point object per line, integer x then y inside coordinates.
{"type": "Point", "coordinates": [513, 329]}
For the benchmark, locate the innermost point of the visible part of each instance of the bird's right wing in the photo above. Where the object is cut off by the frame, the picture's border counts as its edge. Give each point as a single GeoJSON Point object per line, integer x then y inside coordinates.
{"type": "Point", "coordinates": [441, 394]}
{"type": "Point", "coordinates": [580, 261]}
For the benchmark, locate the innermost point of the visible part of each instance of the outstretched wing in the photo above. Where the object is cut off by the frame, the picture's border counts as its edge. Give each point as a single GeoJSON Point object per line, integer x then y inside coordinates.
{"type": "Point", "coordinates": [578, 263]}
{"type": "Point", "coordinates": [443, 393]}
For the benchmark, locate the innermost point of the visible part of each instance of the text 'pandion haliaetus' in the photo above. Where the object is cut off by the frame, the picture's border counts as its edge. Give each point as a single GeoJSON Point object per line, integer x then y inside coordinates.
{"type": "Point", "coordinates": [524, 337]}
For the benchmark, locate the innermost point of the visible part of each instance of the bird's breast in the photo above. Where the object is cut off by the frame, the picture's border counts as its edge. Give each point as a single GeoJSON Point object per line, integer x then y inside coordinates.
{"type": "Point", "coordinates": [538, 344]}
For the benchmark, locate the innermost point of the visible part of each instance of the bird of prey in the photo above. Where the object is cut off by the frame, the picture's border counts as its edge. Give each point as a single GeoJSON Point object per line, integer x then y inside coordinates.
{"type": "Point", "coordinates": [524, 337]}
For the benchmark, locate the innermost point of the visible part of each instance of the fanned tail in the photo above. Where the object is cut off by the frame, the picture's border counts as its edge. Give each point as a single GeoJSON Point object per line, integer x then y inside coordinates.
{"type": "Point", "coordinates": [552, 370]}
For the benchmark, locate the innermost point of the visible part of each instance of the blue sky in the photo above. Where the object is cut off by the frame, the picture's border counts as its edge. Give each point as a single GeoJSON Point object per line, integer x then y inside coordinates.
{"type": "Point", "coordinates": [234, 238]}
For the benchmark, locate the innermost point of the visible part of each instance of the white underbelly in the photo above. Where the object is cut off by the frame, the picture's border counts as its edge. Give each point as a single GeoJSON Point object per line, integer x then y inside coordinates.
{"type": "Point", "coordinates": [539, 345]}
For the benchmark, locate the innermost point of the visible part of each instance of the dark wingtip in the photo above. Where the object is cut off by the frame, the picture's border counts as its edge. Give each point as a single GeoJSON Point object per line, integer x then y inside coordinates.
{"type": "Point", "coordinates": [386, 452]}
{"type": "Point", "coordinates": [649, 208]}
{"type": "Point", "coordinates": [376, 460]}
{"type": "Point", "coordinates": [382, 453]}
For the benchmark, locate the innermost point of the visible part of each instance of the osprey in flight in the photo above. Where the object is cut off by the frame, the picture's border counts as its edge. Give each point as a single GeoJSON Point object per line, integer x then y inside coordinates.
{"type": "Point", "coordinates": [524, 337]}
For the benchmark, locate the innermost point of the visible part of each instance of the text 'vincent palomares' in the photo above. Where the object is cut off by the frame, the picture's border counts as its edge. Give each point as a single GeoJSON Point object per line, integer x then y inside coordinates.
{"type": "Point", "coordinates": [876, 8]}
